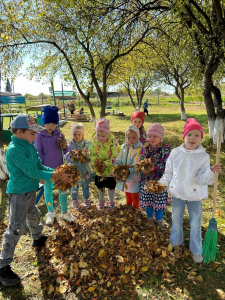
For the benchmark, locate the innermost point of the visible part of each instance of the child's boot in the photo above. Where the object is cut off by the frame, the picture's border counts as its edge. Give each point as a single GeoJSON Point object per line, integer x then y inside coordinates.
{"type": "Point", "coordinates": [8, 277]}
{"type": "Point", "coordinates": [67, 217]}
{"type": "Point", "coordinates": [50, 217]}
{"type": "Point", "coordinates": [40, 242]}
{"type": "Point", "coordinates": [111, 204]}
{"type": "Point", "coordinates": [76, 204]}
{"type": "Point", "coordinates": [87, 203]}
{"type": "Point", "coordinates": [101, 205]}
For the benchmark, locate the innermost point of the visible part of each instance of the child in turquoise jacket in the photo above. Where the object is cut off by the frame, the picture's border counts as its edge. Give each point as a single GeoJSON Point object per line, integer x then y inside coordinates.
{"type": "Point", "coordinates": [104, 147]}
{"type": "Point", "coordinates": [25, 171]}
{"type": "Point", "coordinates": [78, 143]}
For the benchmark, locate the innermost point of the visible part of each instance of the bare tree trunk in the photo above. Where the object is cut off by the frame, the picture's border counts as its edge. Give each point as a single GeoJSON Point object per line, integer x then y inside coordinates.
{"type": "Point", "coordinates": [127, 87]}
{"type": "Point", "coordinates": [3, 170]}
{"type": "Point", "coordinates": [219, 124]}
{"type": "Point", "coordinates": [180, 96]}
{"type": "Point", "coordinates": [207, 93]}
{"type": "Point", "coordinates": [183, 112]}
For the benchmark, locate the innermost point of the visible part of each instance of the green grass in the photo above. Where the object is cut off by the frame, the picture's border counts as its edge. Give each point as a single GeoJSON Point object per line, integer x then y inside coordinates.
{"type": "Point", "coordinates": [187, 280]}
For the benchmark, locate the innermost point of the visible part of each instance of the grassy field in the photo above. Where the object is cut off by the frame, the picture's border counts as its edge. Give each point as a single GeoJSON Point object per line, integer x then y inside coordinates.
{"type": "Point", "coordinates": [187, 280]}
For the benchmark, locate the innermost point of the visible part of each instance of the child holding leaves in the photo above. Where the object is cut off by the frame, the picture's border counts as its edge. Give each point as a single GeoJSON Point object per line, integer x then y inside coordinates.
{"type": "Point", "coordinates": [51, 156]}
{"type": "Point", "coordinates": [187, 176]}
{"type": "Point", "coordinates": [137, 119]}
{"type": "Point", "coordinates": [105, 148]}
{"type": "Point", "coordinates": [79, 143]}
{"type": "Point", "coordinates": [158, 152]}
{"type": "Point", "coordinates": [129, 154]}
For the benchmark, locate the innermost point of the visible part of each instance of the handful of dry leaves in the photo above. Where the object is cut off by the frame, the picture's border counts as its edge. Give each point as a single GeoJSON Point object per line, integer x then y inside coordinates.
{"type": "Point", "coordinates": [121, 172]}
{"type": "Point", "coordinates": [78, 155]}
{"type": "Point", "coordinates": [145, 166]}
{"type": "Point", "coordinates": [68, 169]}
{"type": "Point", "coordinates": [154, 187]}
{"type": "Point", "coordinates": [61, 142]}
{"type": "Point", "coordinates": [99, 166]}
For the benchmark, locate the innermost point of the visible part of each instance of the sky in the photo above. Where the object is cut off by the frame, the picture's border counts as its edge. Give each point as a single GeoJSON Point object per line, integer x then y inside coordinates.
{"type": "Point", "coordinates": [24, 86]}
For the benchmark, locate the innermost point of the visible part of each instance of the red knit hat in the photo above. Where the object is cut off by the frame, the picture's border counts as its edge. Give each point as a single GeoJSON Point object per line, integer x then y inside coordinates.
{"type": "Point", "coordinates": [139, 115]}
{"type": "Point", "coordinates": [192, 124]}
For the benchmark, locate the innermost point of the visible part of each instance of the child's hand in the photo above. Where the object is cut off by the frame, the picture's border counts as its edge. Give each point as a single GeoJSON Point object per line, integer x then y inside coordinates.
{"type": "Point", "coordinates": [42, 181]}
{"type": "Point", "coordinates": [62, 176]}
{"type": "Point", "coordinates": [147, 172]}
{"type": "Point", "coordinates": [216, 168]}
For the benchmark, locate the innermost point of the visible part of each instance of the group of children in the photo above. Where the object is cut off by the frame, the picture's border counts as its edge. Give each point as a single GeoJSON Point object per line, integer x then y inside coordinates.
{"type": "Point", "coordinates": [186, 173]}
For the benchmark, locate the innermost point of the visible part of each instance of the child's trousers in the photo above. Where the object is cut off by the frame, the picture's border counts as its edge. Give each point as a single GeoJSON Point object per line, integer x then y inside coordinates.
{"type": "Point", "coordinates": [158, 213]}
{"type": "Point", "coordinates": [48, 194]}
{"type": "Point", "coordinates": [133, 198]}
{"type": "Point", "coordinates": [22, 209]}
{"type": "Point", "coordinates": [74, 191]}
{"type": "Point", "coordinates": [195, 219]}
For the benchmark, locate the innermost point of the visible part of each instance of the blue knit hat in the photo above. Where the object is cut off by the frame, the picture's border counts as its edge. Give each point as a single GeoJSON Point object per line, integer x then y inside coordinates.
{"type": "Point", "coordinates": [50, 115]}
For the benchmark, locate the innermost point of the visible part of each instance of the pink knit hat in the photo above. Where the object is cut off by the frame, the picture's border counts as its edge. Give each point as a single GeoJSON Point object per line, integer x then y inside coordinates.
{"type": "Point", "coordinates": [77, 127]}
{"type": "Point", "coordinates": [156, 129]}
{"type": "Point", "coordinates": [132, 128]}
{"type": "Point", "coordinates": [192, 124]}
{"type": "Point", "coordinates": [139, 115]}
{"type": "Point", "coordinates": [103, 125]}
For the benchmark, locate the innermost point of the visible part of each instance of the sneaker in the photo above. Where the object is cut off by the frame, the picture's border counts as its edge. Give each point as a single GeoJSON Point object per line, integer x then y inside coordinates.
{"type": "Point", "coordinates": [8, 277]}
{"type": "Point", "coordinates": [87, 203]}
{"type": "Point", "coordinates": [149, 221]}
{"type": "Point", "coordinates": [111, 204]}
{"type": "Point", "coordinates": [68, 217]}
{"type": "Point", "coordinates": [197, 258]}
{"type": "Point", "coordinates": [50, 217]}
{"type": "Point", "coordinates": [160, 223]}
{"type": "Point", "coordinates": [101, 205]}
{"type": "Point", "coordinates": [40, 242]}
{"type": "Point", "coordinates": [76, 204]}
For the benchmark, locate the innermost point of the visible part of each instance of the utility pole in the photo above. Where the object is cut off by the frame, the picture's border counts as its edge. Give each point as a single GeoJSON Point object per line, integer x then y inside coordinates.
{"type": "Point", "coordinates": [53, 92]}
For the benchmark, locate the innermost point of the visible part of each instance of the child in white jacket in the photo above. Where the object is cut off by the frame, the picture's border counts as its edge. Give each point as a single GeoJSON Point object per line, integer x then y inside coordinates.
{"type": "Point", "coordinates": [187, 176]}
{"type": "Point", "coordinates": [129, 154]}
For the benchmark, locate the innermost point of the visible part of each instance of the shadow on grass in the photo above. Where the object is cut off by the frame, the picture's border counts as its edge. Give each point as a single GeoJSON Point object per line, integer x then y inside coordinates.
{"type": "Point", "coordinates": [170, 117]}
{"type": "Point", "coordinates": [14, 293]}
{"type": "Point", "coordinates": [3, 200]}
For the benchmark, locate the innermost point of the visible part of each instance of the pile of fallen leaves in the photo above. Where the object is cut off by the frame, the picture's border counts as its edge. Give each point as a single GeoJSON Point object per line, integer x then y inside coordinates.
{"type": "Point", "coordinates": [68, 169]}
{"type": "Point", "coordinates": [154, 187]}
{"type": "Point", "coordinates": [104, 253]}
{"type": "Point", "coordinates": [144, 166]}
{"type": "Point", "coordinates": [78, 155]}
{"type": "Point", "coordinates": [99, 166]}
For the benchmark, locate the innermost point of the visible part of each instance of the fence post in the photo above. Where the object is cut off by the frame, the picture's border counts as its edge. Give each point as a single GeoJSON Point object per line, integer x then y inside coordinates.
{"type": "Point", "coordinates": [158, 97]}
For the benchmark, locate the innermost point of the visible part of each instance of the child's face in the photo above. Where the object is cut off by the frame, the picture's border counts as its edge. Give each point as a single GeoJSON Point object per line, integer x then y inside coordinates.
{"type": "Point", "coordinates": [132, 137]}
{"type": "Point", "coordinates": [192, 139]}
{"type": "Point", "coordinates": [102, 136]}
{"type": "Point", "coordinates": [50, 127]}
{"type": "Point", "coordinates": [77, 136]}
{"type": "Point", "coordinates": [154, 140]}
{"type": "Point", "coordinates": [28, 135]}
{"type": "Point", "coordinates": [137, 122]}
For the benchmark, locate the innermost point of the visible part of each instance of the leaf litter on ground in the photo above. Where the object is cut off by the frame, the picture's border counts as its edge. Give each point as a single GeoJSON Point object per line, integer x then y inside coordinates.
{"type": "Point", "coordinates": [105, 252]}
